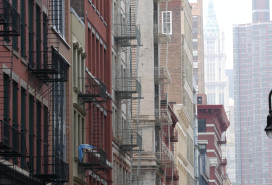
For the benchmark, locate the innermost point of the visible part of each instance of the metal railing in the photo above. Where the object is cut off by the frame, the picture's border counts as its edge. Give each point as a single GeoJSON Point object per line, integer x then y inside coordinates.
{"type": "Point", "coordinates": [131, 140]}
{"type": "Point", "coordinates": [125, 87]}
{"type": "Point", "coordinates": [49, 169]}
{"type": "Point", "coordinates": [165, 157]}
{"type": "Point", "coordinates": [95, 90]}
{"type": "Point", "coordinates": [163, 116]}
{"type": "Point", "coordinates": [125, 30]}
{"type": "Point", "coordinates": [172, 174]}
{"type": "Point", "coordinates": [9, 19]}
{"type": "Point", "coordinates": [94, 159]}
{"type": "Point", "coordinates": [161, 75]}
{"type": "Point", "coordinates": [55, 70]}
{"type": "Point", "coordinates": [10, 138]}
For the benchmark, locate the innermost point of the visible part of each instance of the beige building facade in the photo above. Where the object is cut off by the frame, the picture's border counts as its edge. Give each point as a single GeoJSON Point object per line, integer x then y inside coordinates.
{"type": "Point", "coordinates": [78, 111]}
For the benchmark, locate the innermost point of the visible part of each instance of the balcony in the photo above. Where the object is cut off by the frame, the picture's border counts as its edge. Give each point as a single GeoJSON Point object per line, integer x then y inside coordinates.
{"type": "Point", "coordinates": [54, 71]}
{"type": "Point", "coordinates": [165, 157]}
{"type": "Point", "coordinates": [95, 91]}
{"type": "Point", "coordinates": [126, 88]}
{"type": "Point", "coordinates": [50, 169]}
{"type": "Point", "coordinates": [10, 140]}
{"type": "Point", "coordinates": [224, 161]}
{"type": "Point", "coordinates": [9, 20]}
{"type": "Point", "coordinates": [163, 116]}
{"type": "Point", "coordinates": [95, 159]}
{"type": "Point", "coordinates": [131, 140]}
{"type": "Point", "coordinates": [223, 140]}
{"type": "Point", "coordinates": [172, 174]}
{"type": "Point", "coordinates": [161, 75]}
{"type": "Point", "coordinates": [126, 32]}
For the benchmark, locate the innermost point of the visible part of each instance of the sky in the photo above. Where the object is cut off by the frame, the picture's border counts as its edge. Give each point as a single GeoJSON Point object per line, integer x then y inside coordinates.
{"type": "Point", "coordinates": [231, 12]}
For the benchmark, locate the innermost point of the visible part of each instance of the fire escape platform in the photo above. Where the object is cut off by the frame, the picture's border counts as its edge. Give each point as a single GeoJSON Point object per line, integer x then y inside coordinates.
{"type": "Point", "coordinates": [9, 19]}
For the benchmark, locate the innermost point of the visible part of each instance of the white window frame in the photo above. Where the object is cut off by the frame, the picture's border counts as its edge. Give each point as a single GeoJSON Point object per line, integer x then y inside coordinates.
{"type": "Point", "coordinates": [165, 31]}
{"type": "Point", "coordinates": [58, 21]}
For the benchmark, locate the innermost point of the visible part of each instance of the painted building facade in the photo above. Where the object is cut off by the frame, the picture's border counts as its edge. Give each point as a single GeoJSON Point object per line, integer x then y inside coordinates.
{"type": "Point", "coordinates": [35, 68]}
{"type": "Point", "coordinates": [92, 115]}
{"type": "Point", "coordinates": [212, 122]}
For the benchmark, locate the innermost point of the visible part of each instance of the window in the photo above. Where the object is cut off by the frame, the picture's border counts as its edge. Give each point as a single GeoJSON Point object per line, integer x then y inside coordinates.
{"type": "Point", "coordinates": [45, 133]}
{"type": "Point", "coordinates": [167, 22]}
{"type": "Point", "coordinates": [15, 38]}
{"type": "Point", "coordinates": [15, 104]}
{"type": "Point", "coordinates": [79, 136]}
{"type": "Point", "coordinates": [38, 135]}
{"type": "Point", "coordinates": [190, 149]}
{"type": "Point", "coordinates": [58, 16]}
{"type": "Point", "coordinates": [58, 110]}
{"type": "Point", "coordinates": [201, 125]}
{"type": "Point", "coordinates": [38, 37]}
{"type": "Point", "coordinates": [15, 135]}
{"type": "Point", "coordinates": [78, 67]}
{"type": "Point", "coordinates": [31, 125]}
{"type": "Point", "coordinates": [202, 148]}
{"type": "Point", "coordinates": [6, 98]}
{"type": "Point", "coordinates": [23, 126]}
{"type": "Point", "coordinates": [23, 31]}
{"type": "Point", "coordinates": [199, 100]}
{"type": "Point", "coordinates": [31, 34]}
{"type": "Point", "coordinates": [45, 37]}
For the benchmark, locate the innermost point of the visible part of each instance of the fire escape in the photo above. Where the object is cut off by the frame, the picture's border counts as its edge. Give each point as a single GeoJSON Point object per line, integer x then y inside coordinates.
{"type": "Point", "coordinates": [10, 134]}
{"type": "Point", "coordinates": [95, 96]}
{"type": "Point", "coordinates": [50, 68]}
{"type": "Point", "coordinates": [128, 86]}
{"type": "Point", "coordinates": [166, 135]}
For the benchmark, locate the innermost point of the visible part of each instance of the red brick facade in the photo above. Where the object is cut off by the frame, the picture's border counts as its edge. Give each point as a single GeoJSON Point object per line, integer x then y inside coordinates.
{"type": "Point", "coordinates": [212, 122]}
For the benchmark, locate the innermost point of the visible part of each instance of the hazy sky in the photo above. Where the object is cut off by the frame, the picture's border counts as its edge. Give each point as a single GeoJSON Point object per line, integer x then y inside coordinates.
{"type": "Point", "coordinates": [228, 13]}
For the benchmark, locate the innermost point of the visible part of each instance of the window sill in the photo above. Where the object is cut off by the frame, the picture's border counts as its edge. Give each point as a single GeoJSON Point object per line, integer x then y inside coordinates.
{"type": "Point", "coordinates": [23, 60]}
{"type": "Point", "coordinates": [15, 53]}
{"type": "Point", "coordinates": [98, 13]}
{"type": "Point", "coordinates": [61, 37]}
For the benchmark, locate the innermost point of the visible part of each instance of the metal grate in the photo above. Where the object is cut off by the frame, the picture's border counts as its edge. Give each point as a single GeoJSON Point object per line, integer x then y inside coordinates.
{"type": "Point", "coordinates": [9, 19]}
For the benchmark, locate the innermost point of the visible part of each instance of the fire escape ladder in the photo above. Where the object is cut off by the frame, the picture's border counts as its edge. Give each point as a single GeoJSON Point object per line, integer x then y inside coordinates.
{"type": "Point", "coordinates": [9, 31]}
{"type": "Point", "coordinates": [95, 95]}
{"type": "Point", "coordinates": [95, 159]}
{"type": "Point", "coordinates": [9, 20]}
{"type": "Point", "coordinates": [95, 91]}
{"type": "Point", "coordinates": [50, 68]}
{"type": "Point", "coordinates": [52, 169]}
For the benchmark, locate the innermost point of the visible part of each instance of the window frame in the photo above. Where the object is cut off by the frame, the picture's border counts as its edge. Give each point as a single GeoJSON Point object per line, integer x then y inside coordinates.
{"type": "Point", "coordinates": [58, 19]}
{"type": "Point", "coordinates": [165, 22]}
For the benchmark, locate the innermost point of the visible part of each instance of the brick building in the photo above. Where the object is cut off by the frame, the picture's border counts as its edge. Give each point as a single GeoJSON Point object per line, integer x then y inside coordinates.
{"type": "Point", "coordinates": [198, 45]}
{"type": "Point", "coordinates": [176, 56]}
{"type": "Point", "coordinates": [212, 122]}
{"type": "Point", "coordinates": [92, 91]}
{"type": "Point", "coordinates": [34, 47]}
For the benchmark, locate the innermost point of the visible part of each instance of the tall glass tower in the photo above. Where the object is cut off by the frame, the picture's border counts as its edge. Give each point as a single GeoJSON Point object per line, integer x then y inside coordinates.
{"type": "Point", "coordinates": [252, 54]}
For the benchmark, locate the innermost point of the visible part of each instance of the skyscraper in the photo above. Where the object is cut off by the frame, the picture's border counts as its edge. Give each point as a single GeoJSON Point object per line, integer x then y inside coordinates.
{"type": "Point", "coordinates": [252, 73]}
{"type": "Point", "coordinates": [216, 85]}
{"type": "Point", "coordinates": [198, 45]}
